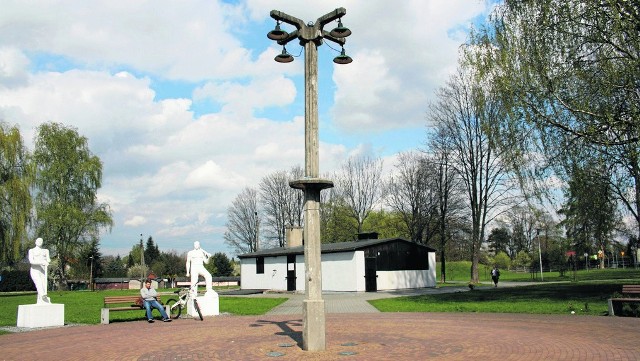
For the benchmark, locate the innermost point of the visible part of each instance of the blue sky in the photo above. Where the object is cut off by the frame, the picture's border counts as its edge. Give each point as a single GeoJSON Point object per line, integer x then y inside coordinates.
{"type": "Point", "coordinates": [183, 102]}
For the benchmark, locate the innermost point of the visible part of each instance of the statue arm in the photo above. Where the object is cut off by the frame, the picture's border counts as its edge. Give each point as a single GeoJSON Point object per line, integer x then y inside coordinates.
{"type": "Point", "coordinates": [188, 265]}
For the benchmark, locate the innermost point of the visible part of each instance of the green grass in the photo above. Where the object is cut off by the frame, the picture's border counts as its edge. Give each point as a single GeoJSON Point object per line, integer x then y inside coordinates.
{"type": "Point", "coordinates": [589, 297]}
{"type": "Point", "coordinates": [83, 307]}
{"type": "Point", "coordinates": [460, 272]}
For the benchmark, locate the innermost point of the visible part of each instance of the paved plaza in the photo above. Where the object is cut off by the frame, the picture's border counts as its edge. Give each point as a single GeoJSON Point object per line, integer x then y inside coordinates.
{"type": "Point", "coordinates": [353, 333]}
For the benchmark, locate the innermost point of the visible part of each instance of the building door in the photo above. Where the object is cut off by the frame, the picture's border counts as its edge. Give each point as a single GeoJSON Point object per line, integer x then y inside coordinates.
{"type": "Point", "coordinates": [370, 276]}
{"type": "Point", "coordinates": [291, 272]}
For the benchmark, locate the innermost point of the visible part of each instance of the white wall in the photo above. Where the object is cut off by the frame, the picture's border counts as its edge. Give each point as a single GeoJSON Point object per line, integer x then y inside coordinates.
{"type": "Point", "coordinates": [394, 280]}
{"type": "Point", "coordinates": [273, 278]}
{"type": "Point", "coordinates": [342, 271]}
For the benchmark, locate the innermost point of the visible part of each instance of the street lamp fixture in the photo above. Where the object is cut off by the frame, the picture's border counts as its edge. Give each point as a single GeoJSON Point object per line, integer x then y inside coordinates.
{"type": "Point", "coordinates": [340, 31]}
{"type": "Point", "coordinates": [285, 57]}
{"type": "Point", "coordinates": [311, 36]}
{"type": "Point", "coordinates": [277, 33]}
{"type": "Point", "coordinates": [312, 32]}
{"type": "Point", "coordinates": [342, 58]}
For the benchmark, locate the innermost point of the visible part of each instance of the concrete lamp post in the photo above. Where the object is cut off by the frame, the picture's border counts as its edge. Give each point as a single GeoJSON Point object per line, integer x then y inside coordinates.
{"type": "Point", "coordinates": [311, 36]}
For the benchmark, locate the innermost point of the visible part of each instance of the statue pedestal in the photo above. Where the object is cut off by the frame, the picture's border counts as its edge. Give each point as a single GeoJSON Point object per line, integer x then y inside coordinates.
{"type": "Point", "coordinates": [209, 305]}
{"type": "Point", "coordinates": [41, 315]}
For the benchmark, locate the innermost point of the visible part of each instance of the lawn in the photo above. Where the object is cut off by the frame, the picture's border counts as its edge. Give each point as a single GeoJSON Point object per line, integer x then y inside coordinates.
{"type": "Point", "coordinates": [588, 298]}
{"type": "Point", "coordinates": [83, 307]}
{"type": "Point", "coordinates": [460, 272]}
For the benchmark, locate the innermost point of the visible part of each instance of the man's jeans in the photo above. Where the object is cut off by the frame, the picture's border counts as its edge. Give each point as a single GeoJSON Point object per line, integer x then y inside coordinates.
{"type": "Point", "coordinates": [149, 305]}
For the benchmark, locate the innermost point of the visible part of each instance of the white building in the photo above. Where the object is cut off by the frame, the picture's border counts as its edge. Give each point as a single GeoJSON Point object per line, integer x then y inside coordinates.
{"type": "Point", "coordinates": [364, 265]}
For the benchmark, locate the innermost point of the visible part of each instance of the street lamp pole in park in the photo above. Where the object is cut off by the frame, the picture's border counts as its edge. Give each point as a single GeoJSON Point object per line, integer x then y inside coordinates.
{"type": "Point", "coordinates": [311, 36]}
{"type": "Point", "coordinates": [91, 273]}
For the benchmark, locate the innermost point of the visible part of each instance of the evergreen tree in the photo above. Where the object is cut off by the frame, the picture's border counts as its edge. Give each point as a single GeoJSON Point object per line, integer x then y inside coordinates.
{"type": "Point", "coordinates": [223, 266]}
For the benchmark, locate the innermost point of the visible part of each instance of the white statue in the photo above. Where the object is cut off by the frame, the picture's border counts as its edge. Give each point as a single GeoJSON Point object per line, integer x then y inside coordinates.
{"type": "Point", "coordinates": [39, 259]}
{"type": "Point", "coordinates": [196, 259]}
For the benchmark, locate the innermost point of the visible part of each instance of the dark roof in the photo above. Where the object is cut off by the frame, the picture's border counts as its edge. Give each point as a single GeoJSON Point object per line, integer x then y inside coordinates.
{"type": "Point", "coordinates": [111, 279]}
{"type": "Point", "coordinates": [330, 247]}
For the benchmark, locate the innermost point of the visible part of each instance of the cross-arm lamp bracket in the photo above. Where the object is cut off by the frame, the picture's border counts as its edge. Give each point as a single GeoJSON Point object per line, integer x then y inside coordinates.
{"type": "Point", "coordinates": [311, 32]}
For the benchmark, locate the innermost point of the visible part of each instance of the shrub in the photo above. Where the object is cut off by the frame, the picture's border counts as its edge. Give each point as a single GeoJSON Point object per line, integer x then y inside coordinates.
{"type": "Point", "coordinates": [502, 260]}
{"type": "Point", "coordinates": [16, 281]}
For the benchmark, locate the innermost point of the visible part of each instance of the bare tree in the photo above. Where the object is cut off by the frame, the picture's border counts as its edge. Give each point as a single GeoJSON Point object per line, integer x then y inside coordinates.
{"type": "Point", "coordinates": [361, 187]}
{"type": "Point", "coordinates": [243, 222]}
{"type": "Point", "coordinates": [462, 112]}
{"type": "Point", "coordinates": [282, 205]}
{"type": "Point", "coordinates": [411, 193]}
{"type": "Point", "coordinates": [449, 193]}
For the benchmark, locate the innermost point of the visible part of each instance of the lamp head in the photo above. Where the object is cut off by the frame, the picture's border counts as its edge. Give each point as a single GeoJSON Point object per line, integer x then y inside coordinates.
{"type": "Point", "coordinates": [284, 57]}
{"type": "Point", "coordinates": [342, 58]}
{"type": "Point", "coordinates": [340, 31]}
{"type": "Point", "coordinates": [277, 33]}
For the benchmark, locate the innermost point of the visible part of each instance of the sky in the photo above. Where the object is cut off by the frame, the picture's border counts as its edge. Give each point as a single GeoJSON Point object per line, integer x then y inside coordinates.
{"type": "Point", "coordinates": [185, 106]}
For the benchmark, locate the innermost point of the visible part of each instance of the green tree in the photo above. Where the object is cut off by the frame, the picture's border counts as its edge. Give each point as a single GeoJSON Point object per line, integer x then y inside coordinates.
{"type": "Point", "coordinates": [174, 264]}
{"type": "Point", "coordinates": [500, 241]}
{"type": "Point", "coordinates": [590, 210]}
{"type": "Point", "coordinates": [223, 266]}
{"type": "Point", "coordinates": [336, 223]}
{"type": "Point", "coordinates": [135, 255]}
{"type": "Point", "coordinates": [567, 73]}
{"type": "Point", "coordinates": [151, 251]}
{"type": "Point", "coordinates": [68, 177]}
{"type": "Point", "coordinates": [523, 260]}
{"type": "Point", "coordinates": [16, 176]}
{"type": "Point", "coordinates": [502, 260]}
{"type": "Point", "coordinates": [114, 267]}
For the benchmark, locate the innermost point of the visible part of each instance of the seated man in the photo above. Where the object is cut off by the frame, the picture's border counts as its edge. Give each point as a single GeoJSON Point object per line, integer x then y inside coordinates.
{"type": "Point", "coordinates": [150, 301]}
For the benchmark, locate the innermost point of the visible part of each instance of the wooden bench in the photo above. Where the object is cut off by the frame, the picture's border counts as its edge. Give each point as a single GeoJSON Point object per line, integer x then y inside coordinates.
{"type": "Point", "coordinates": [629, 291]}
{"type": "Point", "coordinates": [122, 303]}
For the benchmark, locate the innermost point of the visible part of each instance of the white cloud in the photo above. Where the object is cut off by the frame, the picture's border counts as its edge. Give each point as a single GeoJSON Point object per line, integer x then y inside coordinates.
{"type": "Point", "coordinates": [174, 163]}
{"type": "Point", "coordinates": [136, 221]}
{"type": "Point", "coordinates": [13, 67]}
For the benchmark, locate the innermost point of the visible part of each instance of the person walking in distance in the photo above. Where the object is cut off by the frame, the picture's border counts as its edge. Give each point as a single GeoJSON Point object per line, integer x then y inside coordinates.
{"type": "Point", "coordinates": [495, 275]}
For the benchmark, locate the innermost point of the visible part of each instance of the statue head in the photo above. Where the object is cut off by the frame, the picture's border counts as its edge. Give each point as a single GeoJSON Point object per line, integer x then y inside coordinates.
{"type": "Point", "coordinates": [39, 242]}
{"type": "Point", "coordinates": [196, 245]}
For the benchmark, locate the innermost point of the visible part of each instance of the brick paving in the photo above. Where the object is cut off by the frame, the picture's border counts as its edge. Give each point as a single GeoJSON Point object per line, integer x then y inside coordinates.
{"type": "Point", "coordinates": [359, 336]}
{"type": "Point", "coordinates": [354, 330]}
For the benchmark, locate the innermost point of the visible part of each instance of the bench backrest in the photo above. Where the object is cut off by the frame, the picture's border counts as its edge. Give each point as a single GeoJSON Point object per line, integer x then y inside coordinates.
{"type": "Point", "coordinates": [123, 299]}
{"type": "Point", "coordinates": [633, 289]}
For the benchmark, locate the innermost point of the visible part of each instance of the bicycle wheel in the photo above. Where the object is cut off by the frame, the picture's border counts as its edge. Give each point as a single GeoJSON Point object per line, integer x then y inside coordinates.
{"type": "Point", "coordinates": [197, 307]}
{"type": "Point", "coordinates": [174, 308]}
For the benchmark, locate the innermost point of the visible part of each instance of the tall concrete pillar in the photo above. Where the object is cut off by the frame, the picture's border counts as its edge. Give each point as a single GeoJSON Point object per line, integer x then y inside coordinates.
{"type": "Point", "coordinates": [311, 36]}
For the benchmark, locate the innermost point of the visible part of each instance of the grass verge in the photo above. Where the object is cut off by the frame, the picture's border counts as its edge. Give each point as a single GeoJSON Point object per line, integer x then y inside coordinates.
{"type": "Point", "coordinates": [588, 298]}
{"type": "Point", "coordinates": [83, 307]}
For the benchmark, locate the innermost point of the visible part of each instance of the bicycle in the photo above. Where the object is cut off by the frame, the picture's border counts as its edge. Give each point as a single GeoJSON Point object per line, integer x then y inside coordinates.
{"type": "Point", "coordinates": [176, 306]}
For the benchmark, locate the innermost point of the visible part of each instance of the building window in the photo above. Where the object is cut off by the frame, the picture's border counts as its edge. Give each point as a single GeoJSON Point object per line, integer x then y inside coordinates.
{"type": "Point", "coordinates": [260, 265]}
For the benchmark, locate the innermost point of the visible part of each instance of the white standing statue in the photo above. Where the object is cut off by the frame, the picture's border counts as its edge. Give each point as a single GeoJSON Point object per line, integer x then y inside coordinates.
{"type": "Point", "coordinates": [39, 259]}
{"type": "Point", "coordinates": [196, 259]}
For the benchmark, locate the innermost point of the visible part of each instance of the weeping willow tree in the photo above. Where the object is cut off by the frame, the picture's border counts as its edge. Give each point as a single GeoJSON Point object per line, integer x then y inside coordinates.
{"type": "Point", "coordinates": [68, 177]}
{"type": "Point", "coordinates": [16, 175]}
{"type": "Point", "coordinates": [568, 74]}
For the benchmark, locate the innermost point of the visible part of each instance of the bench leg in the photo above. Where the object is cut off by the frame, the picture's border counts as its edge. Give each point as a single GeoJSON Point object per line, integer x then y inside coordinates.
{"type": "Point", "coordinates": [104, 316]}
{"type": "Point", "coordinates": [611, 312]}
